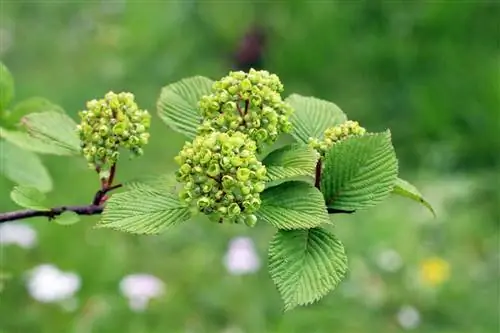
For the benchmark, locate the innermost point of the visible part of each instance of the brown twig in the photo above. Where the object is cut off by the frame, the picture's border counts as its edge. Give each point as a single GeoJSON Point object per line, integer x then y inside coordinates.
{"type": "Point", "coordinates": [52, 213]}
{"type": "Point", "coordinates": [95, 208]}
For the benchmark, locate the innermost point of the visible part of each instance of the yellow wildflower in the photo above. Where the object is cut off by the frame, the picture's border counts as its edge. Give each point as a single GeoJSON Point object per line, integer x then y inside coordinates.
{"type": "Point", "coordinates": [434, 271]}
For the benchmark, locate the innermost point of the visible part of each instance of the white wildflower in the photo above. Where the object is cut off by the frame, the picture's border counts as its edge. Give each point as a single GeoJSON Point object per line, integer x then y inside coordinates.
{"type": "Point", "coordinates": [241, 257]}
{"type": "Point", "coordinates": [140, 288]}
{"type": "Point", "coordinates": [19, 234]}
{"type": "Point", "coordinates": [408, 317]}
{"type": "Point", "coordinates": [389, 260]}
{"type": "Point", "coordinates": [47, 284]}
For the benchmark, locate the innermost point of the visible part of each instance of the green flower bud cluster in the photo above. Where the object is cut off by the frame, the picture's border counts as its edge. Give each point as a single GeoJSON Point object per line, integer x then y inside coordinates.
{"type": "Point", "coordinates": [249, 103]}
{"type": "Point", "coordinates": [109, 124]}
{"type": "Point", "coordinates": [335, 134]}
{"type": "Point", "coordinates": [222, 177]}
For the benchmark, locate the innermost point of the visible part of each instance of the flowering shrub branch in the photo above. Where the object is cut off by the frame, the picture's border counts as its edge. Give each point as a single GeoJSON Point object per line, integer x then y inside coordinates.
{"type": "Point", "coordinates": [233, 169]}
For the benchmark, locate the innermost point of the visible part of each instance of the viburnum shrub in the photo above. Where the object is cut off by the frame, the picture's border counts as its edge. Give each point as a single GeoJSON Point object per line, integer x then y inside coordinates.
{"type": "Point", "coordinates": [251, 157]}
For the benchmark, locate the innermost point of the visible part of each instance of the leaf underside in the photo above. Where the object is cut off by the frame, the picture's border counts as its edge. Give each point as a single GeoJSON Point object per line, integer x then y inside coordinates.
{"type": "Point", "coordinates": [143, 211]}
{"type": "Point", "coordinates": [305, 265]}
{"type": "Point", "coordinates": [293, 205]}
{"type": "Point", "coordinates": [177, 105]}
{"type": "Point", "coordinates": [33, 104]}
{"type": "Point", "coordinates": [28, 197]}
{"type": "Point", "coordinates": [359, 172]}
{"type": "Point", "coordinates": [405, 189]}
{"type": "Point", "coordinates": [26, 141]}
{"type": "Point", "coordinates": [312, 116]}
{"type": "Point", "coordinates": [24, 167]}
{"type": "Point", "coordinates": [67, 218]}
{"type": "Point", "coordinates": [54, 128]}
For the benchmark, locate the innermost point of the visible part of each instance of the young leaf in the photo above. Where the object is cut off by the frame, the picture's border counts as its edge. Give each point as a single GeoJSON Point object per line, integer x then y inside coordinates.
{"type": "Point", "coordinates": [28, 142]}
{"type": "Point", "coordinates": [6, 87]}
{"type": "Point", "coordinates": [178, 104]}
{"type": "Point", "coordinates": [405, 189]}
{"type": "Point", "coordinates": [143, 211]}
{"type": "Point", "coordinates": [359, 172]}
{"type": "Point", "coordinates": [293, 205]}
{"type": "Point", "coordinates": [23, 167]}
{"type": "Point", "coordinates": [31, 105]}
{"type": "Point", "coordinates": [67, 218]}
{"type": "Point", "coordinates": [28, 197]}
{"type": "Point", "coordinates": [55, 128]}
{"type": "Point", "coordinates": [312, 116]}
{"type": "Point", "coordinates": [305, 265]}
{"type": "Point", "coordinates": [290, 161]}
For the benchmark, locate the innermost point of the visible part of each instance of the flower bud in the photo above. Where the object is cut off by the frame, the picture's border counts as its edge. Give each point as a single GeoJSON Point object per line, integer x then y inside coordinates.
{"type": "Point", "coordinates": [111, 123]}
{"type": "Point", "coordinates": [222, 167]}
{"type": "Point", "coordinates": [247, 101]}
{"type": "Point", "coordinates": [335, 134]}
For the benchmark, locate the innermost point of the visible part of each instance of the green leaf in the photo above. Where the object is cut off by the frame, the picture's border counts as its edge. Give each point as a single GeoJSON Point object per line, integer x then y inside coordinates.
{"type": "Point", "coordinates": [28, 197]}
{"type": "Point", "coordinates": [293, 205]}
{"type": "Point", "coordinates": [23, 167]}
{"type": "Point", "coordinates": [359, 172]}
{"type": "Point", "coordinates": [37, 145]}
{"type": "Point", "coordinates": [178, 104]}
{"type": "Point", "coordinates": [54, 128]}
{"type": "Point", "coordinates": [312, 116]}
{"type": "Point", "coordinates": [143, 211]}
{"type": "Point", "coordinates": [305, 265]}
{"type": "Point", "coordinates": [67, 218]}
{"type": "Point", "coordinates": [290, 161]}
{"type": "Point", "coordinates": [160, 183]}
{"type": "Point", "coordinates": [31, 105]}
{"type": "Point", "coordinates": [6, 87]}
{"type": "Point", "coordinates": [405, 189]}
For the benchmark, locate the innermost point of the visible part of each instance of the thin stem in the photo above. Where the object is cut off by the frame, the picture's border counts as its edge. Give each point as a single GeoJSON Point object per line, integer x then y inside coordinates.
{"type": "Point", "coordinates": [240, 111]}
{"type": "Point", "coordinates": [317, 179]}
{"type": "Point", "coordinates": [111, 178]}
{"type": "Point", "coordinates": [317, 184]}
{"type": "Point", "coordinates": [100, 195]}
{"type": "Point", "coordinates": [52, 213]}
{"type": "Point", "coordinates": [247, 104]}
{"type": "Point", "coordinates": [95, 208]}
{"type": "Point", "coordinates": [339, 211]}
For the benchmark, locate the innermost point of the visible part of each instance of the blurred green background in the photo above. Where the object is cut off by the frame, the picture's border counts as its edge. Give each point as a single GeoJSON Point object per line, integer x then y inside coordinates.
{"type": "Point", "coordinates": [428, 70]}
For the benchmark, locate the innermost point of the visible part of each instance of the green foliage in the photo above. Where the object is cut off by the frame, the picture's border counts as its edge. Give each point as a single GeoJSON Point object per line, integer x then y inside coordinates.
{"type": "Point", "coordinates": [359, 172]}
{"type": "Point", "coordinates": [427, 70]}
{"type": "Point", "coordinates": [6, 88]}
{"type": "Point", "coordinates": [24, 167]}
{"type": "Point", "coordinates": [29, 197]}
{"type": "Point", "coordinates": [55, 128]}
{"type": "Point", "coordinates": [67, 218]}
{"type": "Point", "coordinates": [27, 106]}
{"type": "Point", "coordinates": [405, 189]}
{"type": "Point", "coordinates": [334, 166]}
{"type": "Point", "coordinates": [178, 104]}
{"type": "Point", "coordinates": [26, 141]}
{"type": "Point", "coordinates": [143, 210]}
{"type": "Point", "coordinates": [290, 161]}
{"type": "Point", "coordinates": [313, 116]}
{"type": "Point", "coordinates": [284, 206]}
{"type": "Point", "coordinates": [306, 264]}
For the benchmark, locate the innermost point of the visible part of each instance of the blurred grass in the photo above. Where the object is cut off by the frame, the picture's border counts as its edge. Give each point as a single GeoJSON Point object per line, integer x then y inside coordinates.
{"type": "Point", "coordinates": [427, 70]}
